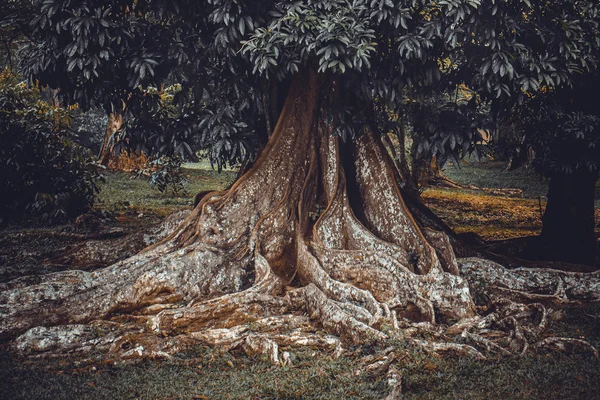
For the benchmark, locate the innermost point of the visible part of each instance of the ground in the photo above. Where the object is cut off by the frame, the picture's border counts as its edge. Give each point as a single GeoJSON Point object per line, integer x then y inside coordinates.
{"type": "Point", "coordinates": [492, 217]}
{"type": "Point", "coordinates": [203, 373]}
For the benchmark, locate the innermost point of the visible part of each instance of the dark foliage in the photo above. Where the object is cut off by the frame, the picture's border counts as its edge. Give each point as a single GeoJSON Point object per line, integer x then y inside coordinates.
{"type": "Point", "coordinates": [14, 30]}
{"type": "Point", "coordinates": [168, 178]}
{"type": "Point", "coordinates": [227, 55]}
{"type": "Point", "coordinates": [44, 173]}
{"type": "Point", "coordinates": [563, 128]}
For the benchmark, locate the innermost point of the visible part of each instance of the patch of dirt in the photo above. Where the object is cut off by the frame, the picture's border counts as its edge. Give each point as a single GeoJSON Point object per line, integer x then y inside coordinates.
{"type": "Point", "coordinates": [27, 249]}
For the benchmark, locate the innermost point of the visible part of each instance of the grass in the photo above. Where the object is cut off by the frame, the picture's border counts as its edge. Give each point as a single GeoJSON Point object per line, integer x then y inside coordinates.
{"type": "Point", "coordinates": [493, 174]}
{"type": "Point", "coordinates": [123, 191]}
{"type": "Point", "coordinates": [491, 217]}
{"type": "Point", "coordinates": [203, 373]}
{"type": "Point", "coordinates": [200, 375]}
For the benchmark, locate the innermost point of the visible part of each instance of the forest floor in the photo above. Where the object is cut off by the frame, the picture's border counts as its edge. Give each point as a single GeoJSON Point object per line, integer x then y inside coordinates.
{"type": "Point", "coordinates": [128, 204]}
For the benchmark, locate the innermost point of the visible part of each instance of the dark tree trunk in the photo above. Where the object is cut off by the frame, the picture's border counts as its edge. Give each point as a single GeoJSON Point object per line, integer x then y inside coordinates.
{"type": "Point", "coordinates": [523, 157]}
{"type": "Point", "coordinates": [568, 223]}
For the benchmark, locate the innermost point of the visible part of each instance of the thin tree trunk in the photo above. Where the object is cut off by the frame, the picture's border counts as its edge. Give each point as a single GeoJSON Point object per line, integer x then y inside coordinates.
{"type": "Point", "coordinates": [115, 121]}
{"type": "Point", "coordinates": [401, 134]}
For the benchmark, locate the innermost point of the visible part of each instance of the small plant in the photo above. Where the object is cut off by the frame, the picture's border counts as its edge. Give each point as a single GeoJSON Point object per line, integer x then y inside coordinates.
{"type": "Point", "coordinates": [168, 176]}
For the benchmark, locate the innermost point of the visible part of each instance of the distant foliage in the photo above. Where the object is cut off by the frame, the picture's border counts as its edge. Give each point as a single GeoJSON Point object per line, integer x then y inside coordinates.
{"type": "Point", "coordinates": [90, 128]}
{"type": "Point", "coordinates": [169, 178]}
{"type": "Point", "coordinates": [561, 127]}
{"type": "Point", "coordinates": [448, 127]}
{"type": "Point", "coordinates": [44, 174]}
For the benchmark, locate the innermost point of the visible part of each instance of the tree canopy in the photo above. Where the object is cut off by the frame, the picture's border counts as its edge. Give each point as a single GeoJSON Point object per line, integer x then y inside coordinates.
{"type": "Point", "coordinates": [317, 236]}
{"type": "Point", "coordinates": [226, 53]}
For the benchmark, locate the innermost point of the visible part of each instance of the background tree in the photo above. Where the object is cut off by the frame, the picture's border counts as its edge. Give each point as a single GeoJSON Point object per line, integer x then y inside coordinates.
{"type": "Point", "coordinates": [562, 127]}
{"type": "Point", "coordinates": [317, 226]}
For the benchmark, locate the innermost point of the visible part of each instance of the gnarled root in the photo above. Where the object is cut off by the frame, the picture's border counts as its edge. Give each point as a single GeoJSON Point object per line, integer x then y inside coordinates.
{"type": "Point", "coordinates": [306, 241]}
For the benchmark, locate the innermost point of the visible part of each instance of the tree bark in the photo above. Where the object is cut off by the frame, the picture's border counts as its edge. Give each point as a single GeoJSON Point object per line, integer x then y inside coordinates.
{"type": "Point", "coordinates": [121, 161]}
{"type": "Point", "coordinates": [115, 121]}
{"type": "Point", "coordinates": [568, 222]}
{"type": "Point", "coordinates": [314, 245]}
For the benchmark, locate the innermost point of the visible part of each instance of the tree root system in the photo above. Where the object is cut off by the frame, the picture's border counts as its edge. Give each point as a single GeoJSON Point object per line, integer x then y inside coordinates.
{"type": "Point", "coordinates": [314, 246]}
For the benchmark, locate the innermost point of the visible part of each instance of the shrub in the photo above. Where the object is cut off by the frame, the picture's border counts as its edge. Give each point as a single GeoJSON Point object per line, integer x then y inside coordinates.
{"type": "Point", "coordinates": [168, 177]}
{"type": "Point", "coordinates": [43, 173]}
{"type": "Point", "coordinates": [90, 129]}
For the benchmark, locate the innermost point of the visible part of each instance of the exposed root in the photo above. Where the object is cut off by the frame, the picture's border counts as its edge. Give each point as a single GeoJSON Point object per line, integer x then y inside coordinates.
{"type": "Point", "coordinates": [547, 286]}
{"type": "Point", "coordinates": [306, 241]}
{"type": "Point", "coordinates": [99, 252]}
{"type": "Point", "coordinates": [444, 181]}
{"type": "Point", "coordinates": [394, 380]}
{"type": "Point", "coordinates": [456, 349]}
{"type": "Point", "coordinates": [335, 320]}
{"type": "Point", "coordinates": [566, 344]}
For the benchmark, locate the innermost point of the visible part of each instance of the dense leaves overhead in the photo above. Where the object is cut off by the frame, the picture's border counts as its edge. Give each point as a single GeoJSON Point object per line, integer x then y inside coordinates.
{"type": "Point", "coordinates": [227, 55]}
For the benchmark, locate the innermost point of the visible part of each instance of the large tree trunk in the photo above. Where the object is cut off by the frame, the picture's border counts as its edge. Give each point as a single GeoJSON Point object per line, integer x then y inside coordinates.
{"type": "Point", "coordinates": [568, 223]}
{"type": "Point", "coordinates": [313, 238]}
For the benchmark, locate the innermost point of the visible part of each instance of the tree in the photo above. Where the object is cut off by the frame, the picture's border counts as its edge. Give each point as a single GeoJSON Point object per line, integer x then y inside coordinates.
{"type": "Point", "coordinates": [562, 127]}
{"type": "Point", "coordinates": [318, 225]}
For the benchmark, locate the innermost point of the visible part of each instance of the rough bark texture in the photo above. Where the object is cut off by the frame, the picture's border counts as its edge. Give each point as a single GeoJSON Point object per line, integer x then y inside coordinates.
{"type": "Point", "coordinates": [314, 246]}
{"type": "Point", "coordinates": [115, 121]}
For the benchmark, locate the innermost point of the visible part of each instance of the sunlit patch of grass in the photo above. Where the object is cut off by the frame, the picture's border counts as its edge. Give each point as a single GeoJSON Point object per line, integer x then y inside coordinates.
{"type": "Point", "coordinates": [492, 217]}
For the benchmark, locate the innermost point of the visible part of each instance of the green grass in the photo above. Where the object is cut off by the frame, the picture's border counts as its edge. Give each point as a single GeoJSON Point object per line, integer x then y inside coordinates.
{"type": "Point", "coordinates": [122, 191]}
{"type": "Point", "coordinates": [203, 374]}
{"type": "Point", "coordinates": [541, 377]}
{"type": "Point", "coordinates": [493, 174]}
